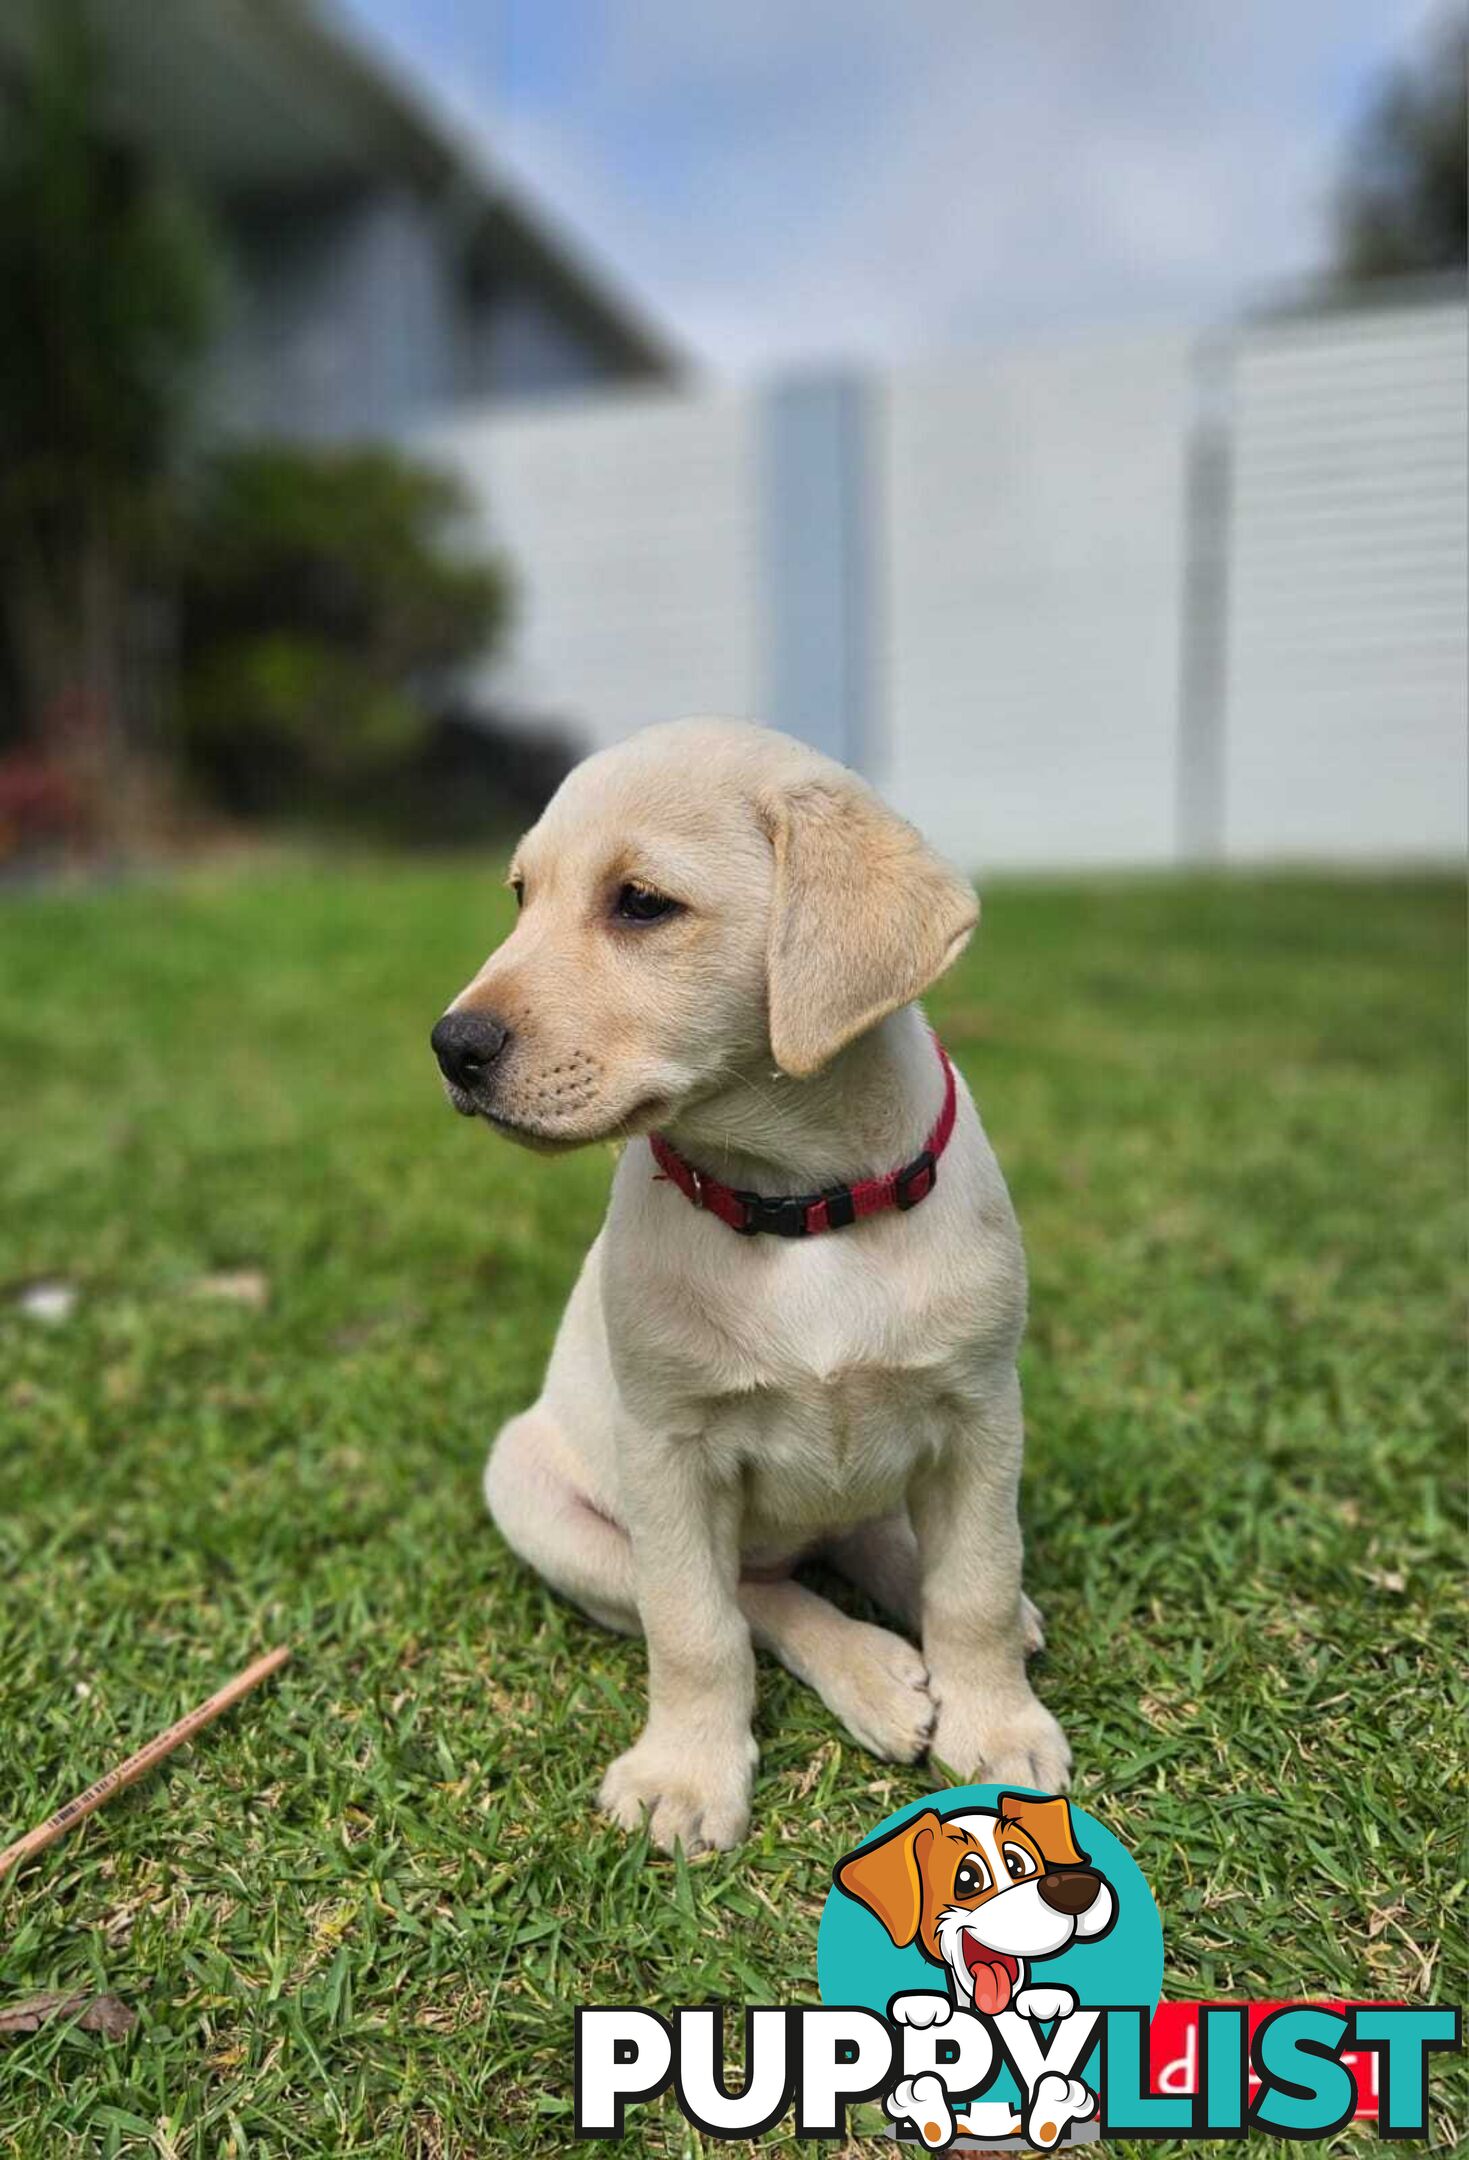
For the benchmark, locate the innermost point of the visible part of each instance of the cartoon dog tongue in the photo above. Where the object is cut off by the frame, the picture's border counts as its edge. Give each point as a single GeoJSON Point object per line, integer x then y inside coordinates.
{"type": "Point", "coordinates": [993, 1974]}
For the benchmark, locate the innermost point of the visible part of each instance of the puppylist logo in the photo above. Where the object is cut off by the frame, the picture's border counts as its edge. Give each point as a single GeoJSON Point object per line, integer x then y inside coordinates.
{"type": "Point", "coordinates": [993, 1896]}
{"type": "Point", "coordinates": [990, 1964]}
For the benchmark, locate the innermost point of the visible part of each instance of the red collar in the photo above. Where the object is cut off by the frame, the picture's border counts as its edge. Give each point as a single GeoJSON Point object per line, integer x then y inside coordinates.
{"type": "Point", "coordinates": [807, 1214]}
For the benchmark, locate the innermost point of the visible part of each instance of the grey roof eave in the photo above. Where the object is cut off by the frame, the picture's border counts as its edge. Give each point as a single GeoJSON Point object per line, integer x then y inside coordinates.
{"type": "Point", "coordinates": [439, 156]}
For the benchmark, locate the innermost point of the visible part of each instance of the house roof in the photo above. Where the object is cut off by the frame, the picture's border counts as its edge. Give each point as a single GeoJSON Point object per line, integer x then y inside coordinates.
{"type": "Point", "coordinates": [267, 99]}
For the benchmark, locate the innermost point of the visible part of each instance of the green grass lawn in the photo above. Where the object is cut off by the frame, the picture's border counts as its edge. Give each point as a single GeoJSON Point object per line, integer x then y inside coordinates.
{"type": "Point", "coordinates": [355, 1917]}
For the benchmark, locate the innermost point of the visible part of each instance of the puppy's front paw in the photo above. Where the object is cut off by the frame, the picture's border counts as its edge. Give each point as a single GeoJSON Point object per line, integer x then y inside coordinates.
{"type": "Point", "coordinates": [1042, 2004]}
{"type": "Point", "coordinates": [1018, 1743]}
{"type": "Point", "coordinates": [921, 2010]}
{"type": "Point", "coordinates": [878, 1687]}
{"type": "Point", "coordinates": [1056, 2103]}
{"type": "Point", "coordinates": [696, 1794]}
{"type": "Point", "coordinates": [924, 2102]}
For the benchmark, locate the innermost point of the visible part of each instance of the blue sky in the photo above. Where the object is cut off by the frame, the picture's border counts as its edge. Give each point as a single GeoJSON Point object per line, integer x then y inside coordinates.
{"type": "Point", "coordinates": [787, 180]}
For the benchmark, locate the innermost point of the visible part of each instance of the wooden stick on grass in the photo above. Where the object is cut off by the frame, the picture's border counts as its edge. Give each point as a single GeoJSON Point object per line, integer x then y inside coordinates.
{"type": "Point", "coordinates": [136, 1766]}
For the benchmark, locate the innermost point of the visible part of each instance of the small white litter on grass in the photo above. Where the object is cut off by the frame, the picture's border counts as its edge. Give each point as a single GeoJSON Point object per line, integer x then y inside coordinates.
{"type": "Point", "coordinates": [48, 1301]}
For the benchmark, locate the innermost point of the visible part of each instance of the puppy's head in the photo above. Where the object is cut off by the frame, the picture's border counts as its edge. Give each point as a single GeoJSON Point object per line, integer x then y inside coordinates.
{"type": "Point", "coordinates": [983, 1892]}
{"type": "Point", "coordinates": [697, 900]}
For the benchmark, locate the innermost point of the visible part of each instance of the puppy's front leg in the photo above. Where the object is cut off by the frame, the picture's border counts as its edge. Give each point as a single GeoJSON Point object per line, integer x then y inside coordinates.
{"type": "Point", "coordinates": [691, 1770]}
{"type": "Point", "coordinates": [965, 1513]}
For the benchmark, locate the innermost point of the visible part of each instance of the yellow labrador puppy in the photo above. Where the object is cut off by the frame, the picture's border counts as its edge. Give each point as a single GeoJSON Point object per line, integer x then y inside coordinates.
{"type": "Point", "coordinates": [796, 1333]}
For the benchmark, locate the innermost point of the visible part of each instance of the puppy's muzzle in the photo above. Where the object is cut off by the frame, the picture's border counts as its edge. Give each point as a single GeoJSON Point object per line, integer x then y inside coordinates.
{"type": "Point", "coordinates": [467, 1045]}
{"type": "Point", "coordinates": [1069, 1890]}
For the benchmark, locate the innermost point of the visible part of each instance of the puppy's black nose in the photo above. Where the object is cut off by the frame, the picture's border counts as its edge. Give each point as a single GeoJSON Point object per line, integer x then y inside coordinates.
{"type": "Point", "coordinates": [466, 1045]}
{"type": "Point", "coordinates": [1068, 1890]}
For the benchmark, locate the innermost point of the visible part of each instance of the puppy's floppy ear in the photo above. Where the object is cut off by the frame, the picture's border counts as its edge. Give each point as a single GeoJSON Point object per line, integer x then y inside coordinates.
{"type": "Point", "coordinates": [888, 1877]}
{"type": "Point", "coordinates": [1048, 1822]}
{"type": "Point", "coordinates": [865, 916]}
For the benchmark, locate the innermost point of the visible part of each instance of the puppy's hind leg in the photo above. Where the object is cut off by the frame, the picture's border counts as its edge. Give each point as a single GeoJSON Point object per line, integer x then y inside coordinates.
{"type": "Point", "coordinates": [873, 1680]}
{"type": "Point", "coordinates": [881, 1558]}
{"type": "Point", "coordinates": [542, 1515]}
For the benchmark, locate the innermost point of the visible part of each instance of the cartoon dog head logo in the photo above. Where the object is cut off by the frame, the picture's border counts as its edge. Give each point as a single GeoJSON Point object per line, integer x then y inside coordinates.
{"type": "Point", "coordinates": [984, 1892]}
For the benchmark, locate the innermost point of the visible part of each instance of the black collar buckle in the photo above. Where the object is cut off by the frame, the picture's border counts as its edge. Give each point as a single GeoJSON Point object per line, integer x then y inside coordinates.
{"type": "Point", "coordinates": [790, 1216]}
{"type": "Point", "coordinates": [784, 1217]}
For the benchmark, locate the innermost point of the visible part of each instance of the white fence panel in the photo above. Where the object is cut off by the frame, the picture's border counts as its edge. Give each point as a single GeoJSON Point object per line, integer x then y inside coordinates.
{"type": "Point", "coordinates": [1034, 573]}
{"type": "Point", "coordinates": [1028, 531]}
{"type": "Point", "coordinates": [631, 527]}
{"type": "Point", "coordinates": [1348, 652]}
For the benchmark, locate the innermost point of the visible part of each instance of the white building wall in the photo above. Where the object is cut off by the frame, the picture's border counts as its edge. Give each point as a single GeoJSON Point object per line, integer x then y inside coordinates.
{"type": "Point", "coordinates": [630, 524]}
{"type": "Point", "coordinates": [1032, 600]}
{"type": "Point", "coordinates": [1348, 646]}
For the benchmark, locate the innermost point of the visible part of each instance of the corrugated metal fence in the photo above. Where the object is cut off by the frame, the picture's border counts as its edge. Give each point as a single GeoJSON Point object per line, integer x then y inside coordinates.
{"type": "Point", "coordinates": [1120, 600]}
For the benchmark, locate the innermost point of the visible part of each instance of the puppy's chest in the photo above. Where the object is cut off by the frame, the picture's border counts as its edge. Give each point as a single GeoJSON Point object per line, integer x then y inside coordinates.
{"type": "Point", "coordinates": [819, 1454]}
{"type": "Point", "coordinates": [811, 1323]}
{"type": "Point", "coordinates": [820, 1389]}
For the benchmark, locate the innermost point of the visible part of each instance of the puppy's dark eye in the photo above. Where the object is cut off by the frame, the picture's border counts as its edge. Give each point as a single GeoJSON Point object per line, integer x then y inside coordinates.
{"type": "Point", "coordinates": [1018, 1862]}
{"type": "Point", "coordinates": [640, 904]}
{"type": "Point", "coordinates": [973, 1876]}
{"type": "Point", "coordinates": [517, 886]}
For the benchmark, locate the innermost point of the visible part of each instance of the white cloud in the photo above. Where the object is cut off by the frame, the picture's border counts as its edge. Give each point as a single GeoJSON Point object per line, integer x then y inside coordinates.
{"type": "Point", "coordinates": [783, 179]}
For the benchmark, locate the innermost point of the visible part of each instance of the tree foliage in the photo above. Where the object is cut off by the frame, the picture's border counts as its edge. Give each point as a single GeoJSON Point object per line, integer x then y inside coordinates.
{"type": "Point", "coordinates": [1402, 209]}
{"type": "Point", "coordinates": [108, 281]}
{"type": "Point", "coordinates": [319, 601]}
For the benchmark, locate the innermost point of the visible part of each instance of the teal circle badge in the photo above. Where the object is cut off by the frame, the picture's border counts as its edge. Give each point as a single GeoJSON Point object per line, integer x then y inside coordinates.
{"type": "Point", "coordinates": [983, 1892]}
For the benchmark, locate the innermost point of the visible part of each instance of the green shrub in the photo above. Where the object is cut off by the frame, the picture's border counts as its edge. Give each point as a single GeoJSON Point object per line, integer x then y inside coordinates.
{"type": "Point", "coordinates": [325, 611]}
